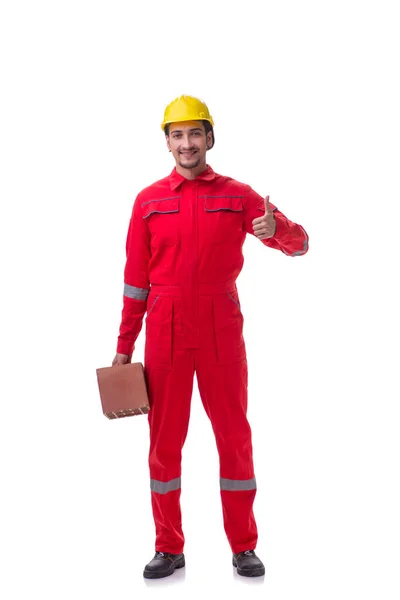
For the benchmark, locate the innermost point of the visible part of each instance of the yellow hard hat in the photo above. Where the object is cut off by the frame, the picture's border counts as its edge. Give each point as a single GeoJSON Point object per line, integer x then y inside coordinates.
{"type": "Point", "coordinates": [186, 108]}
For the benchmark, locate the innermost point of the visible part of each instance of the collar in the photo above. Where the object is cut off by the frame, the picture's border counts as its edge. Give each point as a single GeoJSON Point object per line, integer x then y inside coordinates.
{"type": "Point", "coordinates": [176, 179]}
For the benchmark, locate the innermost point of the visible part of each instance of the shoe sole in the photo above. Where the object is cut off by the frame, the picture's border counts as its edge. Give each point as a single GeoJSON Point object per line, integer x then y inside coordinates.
{"type": "Point", "coordinates": [247, 572]}
{"type": "Point", "coordinates": [154, 575]}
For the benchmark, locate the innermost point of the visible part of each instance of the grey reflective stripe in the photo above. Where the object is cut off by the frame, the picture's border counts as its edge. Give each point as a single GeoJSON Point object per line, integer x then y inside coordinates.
{"type": "Point", "coordinates": [135, 292]}
{"type": "Point", "coordinates": [160, 200]}
{"type": "Point", "coordinates": [234, 485]}
{"type": "Point", "coordinates": [223, 208]}
{"type": "Point", "coordinates": [232, 298]}
{"type": "Point", "coordinates": [162, 487]}
{"type": "Point", "coordinates": [152, 306]}
{"type": "Point", "coordinates": [300, 252]}
{"type": "Point", "coordinates": [162, 212]}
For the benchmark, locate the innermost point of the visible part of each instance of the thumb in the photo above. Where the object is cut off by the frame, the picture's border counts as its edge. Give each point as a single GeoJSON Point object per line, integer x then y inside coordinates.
{"type": "Point", "coordinates": [267, 205]}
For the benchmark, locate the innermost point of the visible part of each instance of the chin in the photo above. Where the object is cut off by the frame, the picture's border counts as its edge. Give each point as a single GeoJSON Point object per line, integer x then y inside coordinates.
{"type": "Point", "coordinates": [191, 165]}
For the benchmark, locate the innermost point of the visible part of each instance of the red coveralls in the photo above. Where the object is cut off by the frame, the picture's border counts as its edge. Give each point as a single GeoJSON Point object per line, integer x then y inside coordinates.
{"type": "Point", "coordinates": [184, 254]}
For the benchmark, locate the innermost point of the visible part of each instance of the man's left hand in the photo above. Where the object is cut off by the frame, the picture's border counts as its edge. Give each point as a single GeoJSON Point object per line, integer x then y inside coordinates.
{"type": "Point", "coordinates": [265, 227]}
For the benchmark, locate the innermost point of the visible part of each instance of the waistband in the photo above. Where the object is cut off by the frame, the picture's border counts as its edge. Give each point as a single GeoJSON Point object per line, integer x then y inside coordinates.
{"type": "Point", "coordinates": [202, 288]}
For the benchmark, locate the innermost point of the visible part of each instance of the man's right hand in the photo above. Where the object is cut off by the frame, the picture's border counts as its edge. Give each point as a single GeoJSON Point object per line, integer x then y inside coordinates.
{"type": "Point", "coordinates": [121, 359]}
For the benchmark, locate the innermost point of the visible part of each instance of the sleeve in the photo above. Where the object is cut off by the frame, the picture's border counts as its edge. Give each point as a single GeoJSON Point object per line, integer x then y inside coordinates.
{"type": "Point", "coordinates": [289, 237]}
{"type": "Point", "coordinates": [136, 280]}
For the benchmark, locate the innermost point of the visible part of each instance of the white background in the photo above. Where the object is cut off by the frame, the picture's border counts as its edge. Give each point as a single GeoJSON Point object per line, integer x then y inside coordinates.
{"type": "Point", "coordinates": [306, 106]}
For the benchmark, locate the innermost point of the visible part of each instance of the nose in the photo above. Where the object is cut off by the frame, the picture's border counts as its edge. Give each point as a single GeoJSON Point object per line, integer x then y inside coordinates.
{"type": "Point", "coordinates": [186, 143]}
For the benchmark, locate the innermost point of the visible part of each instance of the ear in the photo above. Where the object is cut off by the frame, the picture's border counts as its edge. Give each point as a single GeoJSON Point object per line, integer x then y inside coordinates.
{"type": "Point", "coordinates": [168, 144]}
{"type": "Point", "coordinates": [209, 140]}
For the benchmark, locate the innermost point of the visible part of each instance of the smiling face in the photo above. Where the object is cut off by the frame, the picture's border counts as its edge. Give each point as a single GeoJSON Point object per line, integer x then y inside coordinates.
{"type": "Point", "coordinates": [188, 143]}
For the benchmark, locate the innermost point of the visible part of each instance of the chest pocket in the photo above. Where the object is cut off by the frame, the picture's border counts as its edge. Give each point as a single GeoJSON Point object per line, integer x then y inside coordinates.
{"type": "Point", "coordinates": [223, 217]}
{"type": "Point", "coordinates": [162, 216]}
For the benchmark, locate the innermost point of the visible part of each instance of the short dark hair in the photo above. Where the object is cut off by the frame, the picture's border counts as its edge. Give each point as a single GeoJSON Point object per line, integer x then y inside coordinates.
{"type": "Point", "coordinates": [207, 127]}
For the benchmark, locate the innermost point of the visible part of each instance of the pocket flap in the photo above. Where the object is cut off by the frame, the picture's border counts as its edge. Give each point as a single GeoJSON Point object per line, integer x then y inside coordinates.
{"type": "Point", "coordinates": [163, 206]}
{"type": "Point", "coordinates": [212, 203]}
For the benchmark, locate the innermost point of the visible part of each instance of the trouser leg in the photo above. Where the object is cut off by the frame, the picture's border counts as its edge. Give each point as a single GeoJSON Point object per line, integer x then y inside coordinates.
{"type": "Point", "coordinates": [170, 394]}
{"type": "Point", "coordinates": [223, 391]}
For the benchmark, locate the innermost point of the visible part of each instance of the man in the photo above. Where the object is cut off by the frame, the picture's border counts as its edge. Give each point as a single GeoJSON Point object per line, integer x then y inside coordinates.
{"type": "Point", "coordinates": [184, 254]}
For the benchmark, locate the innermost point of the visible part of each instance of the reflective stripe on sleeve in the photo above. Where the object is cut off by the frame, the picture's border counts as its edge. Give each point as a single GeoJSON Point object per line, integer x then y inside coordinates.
{"type": "Point", "coordinates": [162, 487]}
{"type": "Point", "coordinates": [234, 485]}
{"type": "Point", "coordinates": [305, 246]}
{"type": "Point", "coordinates": [136, 293]}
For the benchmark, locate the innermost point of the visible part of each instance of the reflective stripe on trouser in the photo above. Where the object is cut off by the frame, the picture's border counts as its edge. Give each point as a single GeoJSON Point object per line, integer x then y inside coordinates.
{"type": "Point", "coordinates": [221, 372]}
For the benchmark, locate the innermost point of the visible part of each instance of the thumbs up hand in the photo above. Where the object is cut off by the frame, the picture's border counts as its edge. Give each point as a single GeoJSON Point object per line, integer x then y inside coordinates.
{"type": "Point", "coordinates": [264, 227]}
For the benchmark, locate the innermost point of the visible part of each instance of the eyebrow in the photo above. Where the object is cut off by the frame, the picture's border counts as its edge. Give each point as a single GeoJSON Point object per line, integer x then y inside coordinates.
{"type": "Point", "coordinates": [180, 130]}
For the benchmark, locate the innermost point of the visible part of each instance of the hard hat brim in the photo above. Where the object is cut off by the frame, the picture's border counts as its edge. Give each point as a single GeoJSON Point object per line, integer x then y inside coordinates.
{"type": "Point", "coordinates": [164, 123]}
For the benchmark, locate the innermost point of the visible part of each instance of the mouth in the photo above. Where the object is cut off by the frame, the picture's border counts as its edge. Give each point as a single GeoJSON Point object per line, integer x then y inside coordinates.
{"type": "Point", "coordinates": [188, 153]}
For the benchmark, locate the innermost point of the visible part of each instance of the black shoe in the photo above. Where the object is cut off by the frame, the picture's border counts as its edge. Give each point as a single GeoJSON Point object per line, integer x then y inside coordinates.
{"type": "Point", "coordinates": [248, 564]}
{"type": "Point", "coordinates": [163, 564]}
